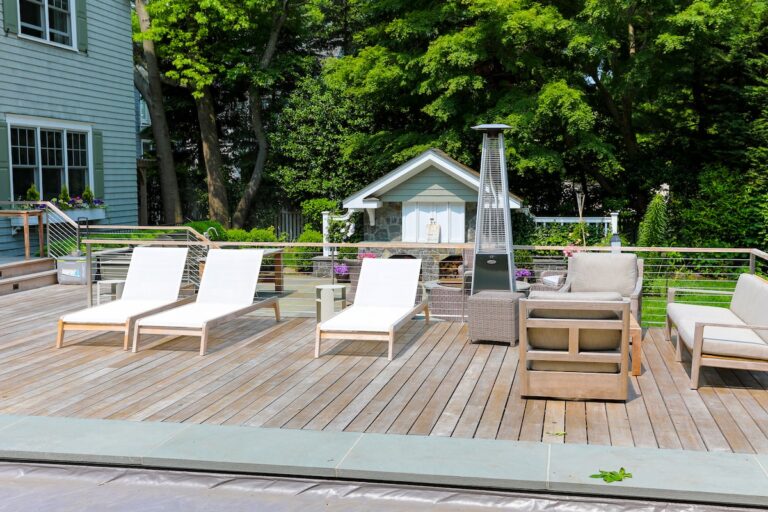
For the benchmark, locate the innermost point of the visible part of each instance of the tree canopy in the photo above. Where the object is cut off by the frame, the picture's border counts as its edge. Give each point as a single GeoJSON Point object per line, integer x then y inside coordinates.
{"type": "Point", "coordinates": [615, 96]}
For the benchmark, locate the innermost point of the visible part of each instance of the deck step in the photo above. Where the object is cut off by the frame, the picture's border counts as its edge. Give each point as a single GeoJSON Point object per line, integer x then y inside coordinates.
{"type": "Point", "coordinates": [22, 268]}
{"type": "Point", "coordinates": [27, 282]}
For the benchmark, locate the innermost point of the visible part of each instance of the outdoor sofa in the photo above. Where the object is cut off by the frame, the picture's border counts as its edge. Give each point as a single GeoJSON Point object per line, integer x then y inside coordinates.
{"type": "Point", "coordinates": [734, 337]}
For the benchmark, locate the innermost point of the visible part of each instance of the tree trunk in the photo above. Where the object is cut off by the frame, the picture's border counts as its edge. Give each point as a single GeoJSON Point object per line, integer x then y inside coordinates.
{"type": "Point", "coordinates": [257, 122]}
{"type": "Point", "coordinates": [169, 188]}
{"type": "Point", "coordinates": [218, 207]}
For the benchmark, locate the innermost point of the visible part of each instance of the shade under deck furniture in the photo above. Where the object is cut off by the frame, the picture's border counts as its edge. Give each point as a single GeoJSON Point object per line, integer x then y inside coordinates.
{"type": "Point", "coordinates": [574, 346]}
{"type": "Point", "coordinates": [384, 301]}
{"type": "Point", "coordinates": [735, 337]}
{"type": "Point", "coordinates": [227, 289]}
{"type": "Point", "coordinates": [152, 285]}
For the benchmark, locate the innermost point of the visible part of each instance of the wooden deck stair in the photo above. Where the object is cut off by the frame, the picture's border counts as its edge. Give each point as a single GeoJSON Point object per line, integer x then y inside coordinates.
{"type": "Point", "coordinates": [27, 275]}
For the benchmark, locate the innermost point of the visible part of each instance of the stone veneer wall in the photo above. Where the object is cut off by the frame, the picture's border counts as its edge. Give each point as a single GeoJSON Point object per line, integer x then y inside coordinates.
{"type": "Point", "coordinates": [389, 224]}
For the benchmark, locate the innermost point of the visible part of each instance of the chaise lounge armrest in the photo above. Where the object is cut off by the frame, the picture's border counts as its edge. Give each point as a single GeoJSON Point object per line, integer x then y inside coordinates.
{"type": "Point", "coordinates": [671, 292]}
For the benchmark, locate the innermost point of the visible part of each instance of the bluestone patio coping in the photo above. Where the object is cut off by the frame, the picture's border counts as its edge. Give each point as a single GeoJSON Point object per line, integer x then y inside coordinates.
{"type": "Point", "coordinates": [688, 476]}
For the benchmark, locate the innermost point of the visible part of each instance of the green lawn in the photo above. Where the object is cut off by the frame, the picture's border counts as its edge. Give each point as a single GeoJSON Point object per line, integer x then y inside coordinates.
{"type": "Point", "coordinates": [655, 296]}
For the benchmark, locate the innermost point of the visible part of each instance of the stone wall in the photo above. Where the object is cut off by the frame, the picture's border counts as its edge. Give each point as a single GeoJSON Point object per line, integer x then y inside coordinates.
{"type": "Point", "coordinates": [389, 224]}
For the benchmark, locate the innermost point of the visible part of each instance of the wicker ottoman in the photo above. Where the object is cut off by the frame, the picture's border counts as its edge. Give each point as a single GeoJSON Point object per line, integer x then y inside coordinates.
{"type": "Point", "coordinates": [492, 316]}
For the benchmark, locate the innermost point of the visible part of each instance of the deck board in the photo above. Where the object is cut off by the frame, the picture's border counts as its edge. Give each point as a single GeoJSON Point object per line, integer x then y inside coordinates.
{"type": "Point", "coordinates": [262, 373]}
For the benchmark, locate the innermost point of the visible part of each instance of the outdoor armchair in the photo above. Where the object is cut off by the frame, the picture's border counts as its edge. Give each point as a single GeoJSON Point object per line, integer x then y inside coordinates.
{"type": "Point", "coordinates": [598, 272]}
{"type": "Point", "coordinates": [227, 290]}
{"type": "Point", "coordinates": [152, 285]}
{"type": "Point", "coordinates": [385, 300]}
{"type": "Point", "coordinates": [734, 337]}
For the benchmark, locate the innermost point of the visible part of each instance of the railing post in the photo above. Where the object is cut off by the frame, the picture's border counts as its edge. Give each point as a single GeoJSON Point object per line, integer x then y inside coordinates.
{"type": "Point", "coordinates": [752, 263]}
{"type": "Point", "coordinates": [89, 273]}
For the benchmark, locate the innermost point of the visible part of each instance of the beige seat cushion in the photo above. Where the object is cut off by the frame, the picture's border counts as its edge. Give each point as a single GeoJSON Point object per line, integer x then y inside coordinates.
{"type": "Point", "coordinates": [590, 272]}
{"type": "Point", "coordinates": [718, 341]}
{"type": "Point", "coordinates": [574, 297]}
{"type": "Point", "coordinates": [750, 302]}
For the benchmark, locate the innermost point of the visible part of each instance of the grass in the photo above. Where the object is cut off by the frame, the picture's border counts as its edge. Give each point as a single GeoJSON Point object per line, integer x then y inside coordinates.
{"type": "Point", "coordinates": [655, 295]}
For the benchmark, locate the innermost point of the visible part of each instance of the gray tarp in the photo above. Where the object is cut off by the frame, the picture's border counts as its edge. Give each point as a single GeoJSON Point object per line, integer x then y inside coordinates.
{"type": "Point", "coordinates": [54, 488]}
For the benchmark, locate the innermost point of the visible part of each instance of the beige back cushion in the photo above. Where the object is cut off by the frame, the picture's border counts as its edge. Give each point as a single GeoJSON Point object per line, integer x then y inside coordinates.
{"type": "Point", "coordinates": [750, 302]}
{"type": "Point", "coordinates": [590, 272]}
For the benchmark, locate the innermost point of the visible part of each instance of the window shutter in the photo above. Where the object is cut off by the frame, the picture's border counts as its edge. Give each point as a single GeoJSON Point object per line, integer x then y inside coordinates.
{"type": "Point", "coordinates": [82, 25]}
{"type": "Point", "coordinates": [98, 164]}
{"type": "Point", "coordinates": [11, 16]}
{"type": "Point", "coordinates": [5, 164]}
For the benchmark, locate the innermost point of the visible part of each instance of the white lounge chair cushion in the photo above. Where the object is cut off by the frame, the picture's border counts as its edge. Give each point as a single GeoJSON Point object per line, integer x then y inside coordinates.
{"type": "Point", "coordinates": [590, 272]}
{"type": "Point", "coordinates": [388, 283]}
{"type": "Point", "coordinates": [189, 315]}
{"type": "Point", "coordinates": [719, 341]}
{"type": "Point", "coordinates": [155, 274]}
{"type": "Point", "coordinates": [750, 301]}
{"type": "Point", "coordinates": [115, 312]}
{"type": "Point", "coordinates": [366, 319]}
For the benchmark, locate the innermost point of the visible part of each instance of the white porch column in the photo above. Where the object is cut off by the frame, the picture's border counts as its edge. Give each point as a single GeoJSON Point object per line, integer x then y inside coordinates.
{"type": "Point", "coordinates": [326, 224]}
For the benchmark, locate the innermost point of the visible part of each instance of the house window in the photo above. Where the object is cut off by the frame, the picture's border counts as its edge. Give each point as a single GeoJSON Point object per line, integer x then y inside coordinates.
{"type": "Point", "coordinates": [418, 215]}
{"type": "Point", "coordinates": [49, 157]}
{"type": "Point", "coordinates": [50, 20]}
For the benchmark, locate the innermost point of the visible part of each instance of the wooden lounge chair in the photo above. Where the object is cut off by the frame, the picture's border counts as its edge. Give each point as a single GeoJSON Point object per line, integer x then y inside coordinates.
{"type": "Point", "coordinates": [574, 346]}
{"type": "Point", "coordinates": [386, 293]}
{"type": "Point", "coordinates": [152, 285]}
{"type": "Point", "coordinates": [227, 289]}
{"type": "Point", "coordinates": [734, 337]}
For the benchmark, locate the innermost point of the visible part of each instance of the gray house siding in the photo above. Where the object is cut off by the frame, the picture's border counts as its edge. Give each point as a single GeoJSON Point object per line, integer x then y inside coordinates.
{"type": "Point", "coordinates": [430, 185]}
{"type": "Point", "coordinates": [93, 87]}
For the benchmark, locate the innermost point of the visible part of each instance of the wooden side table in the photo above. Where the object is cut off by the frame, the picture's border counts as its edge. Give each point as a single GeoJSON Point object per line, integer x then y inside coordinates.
{"type": "Point", "coordinates": [636, 338]}
{"type": "Point", "coordinates": [25, 215]}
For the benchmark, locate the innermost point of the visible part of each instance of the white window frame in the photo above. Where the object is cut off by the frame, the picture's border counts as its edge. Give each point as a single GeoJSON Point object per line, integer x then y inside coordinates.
{"type": "Point", "coordinates": [38, 123]}
{"type": "Point", "coordinates": [46, 39]}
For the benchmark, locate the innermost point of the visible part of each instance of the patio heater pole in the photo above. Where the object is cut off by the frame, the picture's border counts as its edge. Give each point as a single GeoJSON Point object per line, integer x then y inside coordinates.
{"type": "Point", "coordinates": [494, 267]}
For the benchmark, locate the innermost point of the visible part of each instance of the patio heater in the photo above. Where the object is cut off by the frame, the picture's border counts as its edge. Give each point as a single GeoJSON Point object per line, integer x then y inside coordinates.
{"type": "Point", "coordinates": [494, 267]}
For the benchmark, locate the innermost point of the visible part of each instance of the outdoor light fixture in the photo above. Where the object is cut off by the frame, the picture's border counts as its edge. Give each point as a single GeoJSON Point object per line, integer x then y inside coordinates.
{"type": "Point", "coordinates": [494, 267]}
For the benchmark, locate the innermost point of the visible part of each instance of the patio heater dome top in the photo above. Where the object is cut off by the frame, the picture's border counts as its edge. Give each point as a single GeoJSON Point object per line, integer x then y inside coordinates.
{"type": "Point", "coordinates": [491, 127]}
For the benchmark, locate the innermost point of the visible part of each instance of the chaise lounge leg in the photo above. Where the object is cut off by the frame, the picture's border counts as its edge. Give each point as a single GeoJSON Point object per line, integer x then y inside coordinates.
{"type": "Point", "coordinates": [426, 313]}
{"type": "Point", "coordinates": [129, 327]}
{"type": "Point", "coordinates": [317, 341]}
{"type": "Point", "coordinates": [136, 334]}
{"type": "Point", "coordinates": [60, 335]}
{"type": "Point", "coordinates": [204, 340]}
{"type": "Point", "coordinates": [276, 307]}
{"type": "Point", "coordinates": [391, 344]}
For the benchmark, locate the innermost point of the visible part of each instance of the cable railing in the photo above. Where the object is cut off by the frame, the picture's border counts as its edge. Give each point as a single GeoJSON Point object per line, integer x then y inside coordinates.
{"type": "Point", "coordinates": [294, 272]}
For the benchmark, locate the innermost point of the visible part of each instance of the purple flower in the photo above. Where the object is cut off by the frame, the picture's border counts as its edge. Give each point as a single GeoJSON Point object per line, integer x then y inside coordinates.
{"type": "Point", "coordinates": [341, 269]}
{"type": "Point", "coordinates": [523, 272]}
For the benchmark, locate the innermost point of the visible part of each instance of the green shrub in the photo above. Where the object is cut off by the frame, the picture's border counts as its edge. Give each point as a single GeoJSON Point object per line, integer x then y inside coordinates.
{"type": "Point", "coordinates": [32, 193]}
{"type": "Point", "coordinates": [88, 195]}
{"type": "Point", "coordinates": [217, 234]}
{"type": "Point", "coordinates": [64, 195]}
{"type": "Point", "coordinates": [654, 228]}
{"type": "Point", "coordinates": [237, 235]}
{"type": "Point", "coordinates": [263, 234]}
{"type": "Point", "coordinates": [301, 257]}
{"type": "Point", "coordinates": [313, 209]}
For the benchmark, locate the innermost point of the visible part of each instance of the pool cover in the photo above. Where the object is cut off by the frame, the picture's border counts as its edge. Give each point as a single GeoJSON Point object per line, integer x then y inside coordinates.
{"type": "Point", "coordinates": [55, 488]}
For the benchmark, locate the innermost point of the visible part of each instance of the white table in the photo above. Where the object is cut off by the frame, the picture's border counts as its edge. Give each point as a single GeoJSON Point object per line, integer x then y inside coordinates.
{"type": "Point", "coordinates": [325, 300]}
{"type": "Point", "coordinates": [115, 288]}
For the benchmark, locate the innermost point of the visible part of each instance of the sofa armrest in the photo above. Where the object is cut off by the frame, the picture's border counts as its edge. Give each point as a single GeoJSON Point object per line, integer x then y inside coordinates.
{"type": "Point", "coordinates": [732, 326]}
{"type": "Point", "coordinates": [671, 292]}
{"type": "Point", "coordinates": [638, 288]}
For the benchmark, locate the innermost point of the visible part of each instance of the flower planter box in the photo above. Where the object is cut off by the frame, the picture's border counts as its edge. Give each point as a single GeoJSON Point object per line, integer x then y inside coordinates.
{"type": "Point", "coordinates": [80, 213]}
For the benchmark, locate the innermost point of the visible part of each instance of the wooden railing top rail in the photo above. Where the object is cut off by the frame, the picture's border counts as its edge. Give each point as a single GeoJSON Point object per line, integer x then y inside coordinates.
{"type": "Point", "coordinates": [49, 205]}
{"type": "Point", "coordinates": [400, 245]}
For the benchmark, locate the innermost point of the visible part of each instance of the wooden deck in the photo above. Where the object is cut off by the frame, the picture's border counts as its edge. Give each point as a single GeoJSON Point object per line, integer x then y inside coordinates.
{"type": "Point", "coordinates": [261, 373]}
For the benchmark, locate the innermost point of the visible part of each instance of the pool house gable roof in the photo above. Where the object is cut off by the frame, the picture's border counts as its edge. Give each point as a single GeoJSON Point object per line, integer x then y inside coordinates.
{"type": "Point", "coordinates": [367, 197]}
